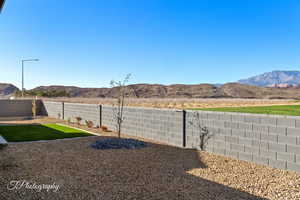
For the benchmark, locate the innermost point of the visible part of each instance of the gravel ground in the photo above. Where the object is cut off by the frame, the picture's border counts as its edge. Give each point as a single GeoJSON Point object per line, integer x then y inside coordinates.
{"type": "Point", "coordinates": [155, 172]}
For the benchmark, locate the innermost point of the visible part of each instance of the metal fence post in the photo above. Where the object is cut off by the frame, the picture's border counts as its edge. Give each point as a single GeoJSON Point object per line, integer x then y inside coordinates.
{"type": "Point", "coordinates": [63, 110]}
{"type": "Point", "coordinates": [184, 128]}
{"type": "Point", "coordinates": [100, 115]}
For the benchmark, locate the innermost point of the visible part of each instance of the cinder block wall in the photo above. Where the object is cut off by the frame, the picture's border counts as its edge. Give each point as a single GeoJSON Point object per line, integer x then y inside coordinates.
{"type": "Point", "coordinates": [264, 139]}
{"type": "Point", "coordinates": [18, 108]}
{"type": "Point", "coordinates": [85, 111]}
{"type": "Point", "coordinates": [53, 109]}
{"type": "Point", "coordinates": [163, 125]}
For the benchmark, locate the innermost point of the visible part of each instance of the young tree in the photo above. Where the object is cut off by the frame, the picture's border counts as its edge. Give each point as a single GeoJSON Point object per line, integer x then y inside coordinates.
{"type": "Point", "coordinates": [204, 134]}
{"type": "Point", "coordinates": [118, 109]}
{"type": "Point", "coordinates": [34, 108]}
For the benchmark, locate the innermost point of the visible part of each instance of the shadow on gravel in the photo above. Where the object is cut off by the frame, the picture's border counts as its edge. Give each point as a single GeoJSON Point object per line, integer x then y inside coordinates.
{"type": "Point", "coordinates": [155, 172]}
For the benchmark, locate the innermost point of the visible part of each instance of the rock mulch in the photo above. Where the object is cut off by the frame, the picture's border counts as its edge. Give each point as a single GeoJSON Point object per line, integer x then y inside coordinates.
{"type": "Point", "coordinates": [118, 143]}
{"type": "Point", "coordinates": [156, 172]}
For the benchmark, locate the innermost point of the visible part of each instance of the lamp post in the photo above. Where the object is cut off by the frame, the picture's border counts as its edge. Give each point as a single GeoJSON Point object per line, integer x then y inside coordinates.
{"type": "Point", "coordinates": [23, 62]}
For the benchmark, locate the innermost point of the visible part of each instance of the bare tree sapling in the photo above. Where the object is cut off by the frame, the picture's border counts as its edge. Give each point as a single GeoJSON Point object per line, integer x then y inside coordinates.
{"type": "Point", "coordinates": [119, 107]}
{"type": "Point", "coordinates": [203, 132]}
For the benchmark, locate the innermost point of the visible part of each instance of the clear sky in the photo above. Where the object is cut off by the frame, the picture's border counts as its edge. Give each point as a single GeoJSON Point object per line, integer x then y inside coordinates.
{"type": "Point", "coordinates": [88, 43]}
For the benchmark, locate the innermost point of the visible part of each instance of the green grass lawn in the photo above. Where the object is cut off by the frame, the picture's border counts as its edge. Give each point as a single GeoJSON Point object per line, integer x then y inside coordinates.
{"type": "Point", "coordinates": [21, 133]}
{"type": "Point", "coordinates": [275, 110]}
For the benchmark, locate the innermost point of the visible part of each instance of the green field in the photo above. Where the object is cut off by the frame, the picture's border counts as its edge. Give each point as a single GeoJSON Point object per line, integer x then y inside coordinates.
{"type": "Point", "coordinates": [20, 133]}
{"type": "Point", "coordinates": [293, 110]}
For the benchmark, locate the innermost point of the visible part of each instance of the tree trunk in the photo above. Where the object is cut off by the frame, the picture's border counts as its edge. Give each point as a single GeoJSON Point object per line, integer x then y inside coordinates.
{"type": "Point", "coordinates": [119, 133]}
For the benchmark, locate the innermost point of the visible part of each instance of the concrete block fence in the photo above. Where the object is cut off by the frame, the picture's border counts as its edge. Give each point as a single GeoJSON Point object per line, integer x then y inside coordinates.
{"type": "Point", "coordinates": [163, 125]}
{"type": "Point", "coordinates": [85, 111]}
{"type": "Point", "coordinates": [18, 108]}
{"type": "Point", "coordinates": [264, 139]}
{"type": "Point", "coordinates": [53, 109]}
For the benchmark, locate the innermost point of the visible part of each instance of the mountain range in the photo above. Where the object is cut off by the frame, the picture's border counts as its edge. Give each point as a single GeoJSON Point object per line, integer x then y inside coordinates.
{"type": "Point", "coordinates": [7, 89]}
{"type": "Point", "coordinates": [273, 79]}
{"type": "Point", "coordinates": [260, 86]}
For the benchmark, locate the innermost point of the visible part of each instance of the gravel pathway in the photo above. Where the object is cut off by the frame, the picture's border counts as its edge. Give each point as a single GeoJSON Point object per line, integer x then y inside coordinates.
{"type": "Point", "coordinates": [156, 172]}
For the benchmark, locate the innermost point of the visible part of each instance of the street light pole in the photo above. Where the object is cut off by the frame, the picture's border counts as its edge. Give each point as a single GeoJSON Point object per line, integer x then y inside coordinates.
{"type": "Point", "coordinates": [22, 78]}
{"type": "Point", "coordinates": [23, 61]}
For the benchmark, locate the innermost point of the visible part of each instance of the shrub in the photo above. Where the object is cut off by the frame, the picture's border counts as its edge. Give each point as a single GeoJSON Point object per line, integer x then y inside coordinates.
{"type": "Point", "coordinates": [34, 108]}
{"type": "Point", "coordinates": [104, 128]}
{"type": "Point", "coordinates": [69, 120]}
{"type": "Point", "coordinates": [78, 119]}
{"type": "Point", "coordinates": [204, 133]}
{"type": "Point", "coordinates": [89, 123]}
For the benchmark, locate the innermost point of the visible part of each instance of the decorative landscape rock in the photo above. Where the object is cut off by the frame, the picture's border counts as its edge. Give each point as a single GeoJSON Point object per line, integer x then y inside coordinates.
{"type": "Point", "coordinates": [118, 143]}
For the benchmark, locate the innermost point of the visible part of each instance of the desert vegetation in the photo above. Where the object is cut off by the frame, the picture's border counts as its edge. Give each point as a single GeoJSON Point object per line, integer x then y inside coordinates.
{"type": "Point", "coordinates": [203, 132]}
{"type": "Point", "coordinates": [78, 120]}
{"type": "Point", "coordinates": [89, 123]}
{"type": "Point", "coordinates": [41, 93]}
{"type": "Point", "coordinates": [34, 108]}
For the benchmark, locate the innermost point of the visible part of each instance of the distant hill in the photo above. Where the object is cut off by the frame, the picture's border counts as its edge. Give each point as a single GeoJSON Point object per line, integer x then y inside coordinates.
{"type": "Point", "coordinates": [137, 90]}
{"type": "Point", "coordinates": [274, 78]}
{"type": "Point", "coordinates": [228, 90]}
{"type": "Point", "coordinates": [7, 89]}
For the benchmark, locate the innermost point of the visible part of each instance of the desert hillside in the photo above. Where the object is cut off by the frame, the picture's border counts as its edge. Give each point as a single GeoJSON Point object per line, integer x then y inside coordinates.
{"type": "Point", "coordinates": [229, 90]}
{"type": "Point", "coordinates": [7, 89]}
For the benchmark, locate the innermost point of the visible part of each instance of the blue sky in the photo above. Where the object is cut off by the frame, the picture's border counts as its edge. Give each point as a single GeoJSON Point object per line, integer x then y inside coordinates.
{"type": "Point", "coordinates": [89, 43]}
